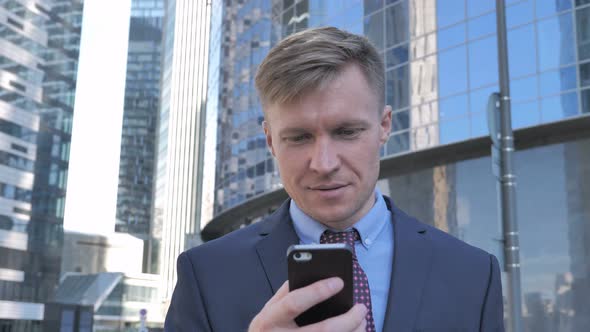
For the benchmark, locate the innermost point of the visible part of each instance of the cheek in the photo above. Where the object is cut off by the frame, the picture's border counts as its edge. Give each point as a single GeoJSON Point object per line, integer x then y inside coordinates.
{"type": "Point", "coordinates": [289, 165]}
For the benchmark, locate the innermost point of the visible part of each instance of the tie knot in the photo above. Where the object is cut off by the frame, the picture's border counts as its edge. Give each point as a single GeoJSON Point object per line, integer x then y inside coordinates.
{"type": "Point", "coordinates": [347, 237]}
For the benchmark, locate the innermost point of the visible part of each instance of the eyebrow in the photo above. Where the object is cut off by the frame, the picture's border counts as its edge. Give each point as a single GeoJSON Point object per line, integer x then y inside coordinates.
{"type": "Point", "coordinates": [292, 131]}
{"type": "Point", "coordinates": [343, 124]}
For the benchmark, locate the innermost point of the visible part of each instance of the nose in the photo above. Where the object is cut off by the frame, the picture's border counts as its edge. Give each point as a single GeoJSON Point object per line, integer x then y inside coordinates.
{"type": "Point", "coordinates": [324, 158]}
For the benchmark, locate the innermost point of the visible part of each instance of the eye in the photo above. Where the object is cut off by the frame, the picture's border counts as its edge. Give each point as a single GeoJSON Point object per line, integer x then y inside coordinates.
{"type": "Point", "coordinates": [298, 138]}
{"type": "Point", "coordinates": [348, 132]}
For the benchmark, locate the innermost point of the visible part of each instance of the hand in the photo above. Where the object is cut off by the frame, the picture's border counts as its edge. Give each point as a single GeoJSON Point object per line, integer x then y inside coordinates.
{"type": "Point", "coordinates": [279, 312]}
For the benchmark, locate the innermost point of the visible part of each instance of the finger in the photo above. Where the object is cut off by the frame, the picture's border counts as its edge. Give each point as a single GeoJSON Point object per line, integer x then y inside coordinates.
{"type": "Point", "coordinates": [283, 290]}
{"type": "Point", "coordinates": [362, 327]}
{"type": "Point", "coordinates": [299, 300]}
{"type": "Point", "coordinates": [353, 320]}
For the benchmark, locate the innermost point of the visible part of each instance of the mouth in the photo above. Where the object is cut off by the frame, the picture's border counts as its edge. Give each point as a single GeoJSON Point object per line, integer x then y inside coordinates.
{"type": "Point", "coordinates": [328, 187]}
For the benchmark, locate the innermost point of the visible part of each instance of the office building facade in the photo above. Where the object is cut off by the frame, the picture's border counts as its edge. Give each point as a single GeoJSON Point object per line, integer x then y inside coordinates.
{"type": "Point", "coordinates": [39, 43]}
{"type": "Point", "coordinates": [181, 131]}
{"type": "Point", "coordinates": [440, 67]}
{"type": "Point", "coordinates": [138, 141]}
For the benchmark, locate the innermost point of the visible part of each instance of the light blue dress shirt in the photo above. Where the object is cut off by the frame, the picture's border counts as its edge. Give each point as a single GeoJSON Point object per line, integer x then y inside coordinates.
{"type": "Point", "coordinates": [375, 253]}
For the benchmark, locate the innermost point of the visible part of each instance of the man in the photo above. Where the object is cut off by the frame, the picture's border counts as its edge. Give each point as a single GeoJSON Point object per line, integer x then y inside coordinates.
{"type": "Point", "coordinates": [322, 92]}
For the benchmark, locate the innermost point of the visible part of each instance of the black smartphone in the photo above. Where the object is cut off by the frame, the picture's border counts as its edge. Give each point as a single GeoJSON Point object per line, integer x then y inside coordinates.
{"type": "Point", "coordinates": [310, 263]}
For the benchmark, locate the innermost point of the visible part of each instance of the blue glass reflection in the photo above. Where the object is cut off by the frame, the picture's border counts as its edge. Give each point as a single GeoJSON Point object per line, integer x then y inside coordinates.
{"type": "Point", "coordinates": [556, 41]}
{"type": "Point", "coordinates": [400, 121]}
{"type": "Point", "coordinates": [398, 143]}
{"type": "Point", "coordinates": [479, 125]}
{"type": "Point", "coordinates": [549, 7]}
{"type": "Point", "coordinates": [374, 29]}
{"type": "Point", "coordinates": [521, 51]}
{"type": "Point", "coordinates": [372, 5]}
{"type": "Point", "coordinates": [478, 7]}
{"type": "Point", "coordinates": [523, 89]}
{"type": "Point", "coordinates": [397, 56]}
{"type": "Point", "coordinates": [554, 81]}
{"type": "Point", "coordinates": [583, 33]}
{"type": "Point", "coordinates": [454, 131]}
{"type": "Point", "coordinates": [520, 13]}
{"type": "Point", "coordinates": [585, 74]}
{"type": "Point", "coordinates": [479, 99]}
{"type": "Point", "coordinates": [396, 24]}
{"type": "Point", "coordinates": [585, 101]}
{"type": "Point", "coordinates": [449, 12]}
{"type": "Point", "coordinates": [452, 71]}
{"type": "Point", "coordinates": [559, 107]}
{"type": "Point", "coordinates": [525, 114]}
{"type": "Point", "coordinates": [340, 14]}
{"type": "Point", "coordinates": [397, 87]}
{"type": "Point", "coordinates": [452, 36]}
{"type": "Point", "coordinates": [482, 26]}
{"type": "Point", "coordinates": [483, 62]}
{"type": "Point", "coordinates": [553, 217]}
{"type": "Point", "coordinates": [452, 107]}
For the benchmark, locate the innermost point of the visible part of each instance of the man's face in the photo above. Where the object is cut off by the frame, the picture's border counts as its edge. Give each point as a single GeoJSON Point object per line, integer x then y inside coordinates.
{"type": "Point", "coordinates": [327, 147]}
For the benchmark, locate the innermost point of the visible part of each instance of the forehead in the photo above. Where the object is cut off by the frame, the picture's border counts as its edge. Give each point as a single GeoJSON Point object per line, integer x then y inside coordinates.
{"type": "Point", "coordinates": [348, 95]}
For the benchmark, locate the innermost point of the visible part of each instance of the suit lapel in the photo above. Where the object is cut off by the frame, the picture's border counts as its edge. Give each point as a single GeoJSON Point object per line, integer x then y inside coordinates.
{"type": "Point", "coordinates": [411, 262]}
{"type": "Point", "coordinates": [278, 234]}
{"type": "Point", "coordinates": [411, 265]}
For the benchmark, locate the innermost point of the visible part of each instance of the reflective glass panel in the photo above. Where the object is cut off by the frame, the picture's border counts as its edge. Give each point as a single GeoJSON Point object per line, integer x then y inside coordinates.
{"type": "Point", "coordinates": [555, 42]}
{"type": "Point", "coordinates": [482, 26]}
{"type": "Point", "coordinates": [372, 5]}
{"type": "Point", "coordinates": [483, 62]}
{"type": "Point", "coordinates": [452, 107]}
{"type": "Point", "coordinates": [397, 87]}
{"type": "Point", "coordinates": [583, 33]}
{"type": "Point", "coordinates": [399, 142]}
{"type": "Point", "coordinates": [547, 8]}
{"type": "Point", "coordinates": [523, 89]}
{"type": "Point", "coordinates": [585, 101]}
{"type": "Point", "coordinates": [400, 121]}
{"type": "Point", "coordinates": [479, 125]}
{"type": "Point", "coordinates": [559, 107]}
{"type": "Point", "coordinates": [449, 12]}
{"type": "Point", "coordinates": [525, 114]}
{"type": "Point", "coordinates": [553, 213]}
{"type": "Point", "coordinates": [521, 51]}
{"type": "Point", "coordinates": [396, 24]}
{"type": "Point", "coordinates": [585, 74]}
{"type": "Point", "coordinates": [397, 55]}
{"type": "Point", "coordinates": [519, 13]}
{"type": "Point", "coordinates": [456, 130]}
{"type": "Point", "coordinates": [452, 71]}
{"type": "Point", "coordinates": [452, 36]}
{"type": "Point", "coordinates": [478, 99]}
{"type": "Point", "coordinates": [374, 29]}
{"type": "Point", "coordinates": [478, 7]}
{"type": "Point", "coordinates": [554, 81]}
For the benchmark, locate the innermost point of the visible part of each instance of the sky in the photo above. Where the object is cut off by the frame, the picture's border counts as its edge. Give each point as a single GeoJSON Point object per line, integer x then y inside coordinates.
{"type": "Point", "coordinates": [98, 114]}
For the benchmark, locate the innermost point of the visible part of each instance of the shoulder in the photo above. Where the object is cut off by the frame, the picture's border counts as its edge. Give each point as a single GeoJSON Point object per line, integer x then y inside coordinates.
{"type": "Point", "coordinates": [239, 242]}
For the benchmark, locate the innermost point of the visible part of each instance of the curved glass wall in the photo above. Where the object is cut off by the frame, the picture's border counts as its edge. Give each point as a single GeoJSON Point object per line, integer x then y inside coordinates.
{"type": "Point", "coordinates": [553, 211]}
{"type": "Point", "coordinates": [441, 67]}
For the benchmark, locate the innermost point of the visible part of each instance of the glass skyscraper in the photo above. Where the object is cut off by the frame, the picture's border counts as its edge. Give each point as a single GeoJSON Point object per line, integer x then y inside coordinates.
{"type": "Point", "coordinates": [138, 142]}
{"type": "Point", "coordinates": [39, 43]}
{"type": "Point", "coordinates": [440, 67]}
{"type": "Point", "coordinates": [181, 132]}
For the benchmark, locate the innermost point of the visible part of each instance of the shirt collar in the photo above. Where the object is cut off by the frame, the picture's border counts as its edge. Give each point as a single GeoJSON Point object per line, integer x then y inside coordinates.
{"type": "Point", "coordinates": [369, 226]}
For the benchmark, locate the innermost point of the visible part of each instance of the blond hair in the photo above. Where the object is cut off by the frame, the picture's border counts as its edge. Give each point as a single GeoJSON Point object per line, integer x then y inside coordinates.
{"type": "Point", "coordinates": [306, 60]}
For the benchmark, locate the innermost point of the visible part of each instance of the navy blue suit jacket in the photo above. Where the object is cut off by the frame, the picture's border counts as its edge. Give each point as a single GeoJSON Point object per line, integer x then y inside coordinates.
{"type": "Point", "coordinates": [438, 283]}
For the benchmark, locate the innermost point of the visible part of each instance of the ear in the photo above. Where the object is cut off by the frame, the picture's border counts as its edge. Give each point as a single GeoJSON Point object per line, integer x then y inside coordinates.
{"type": "Point", "coordinates": [385, 124]}
{"type": "Point", "coordinates": [268, 135]}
